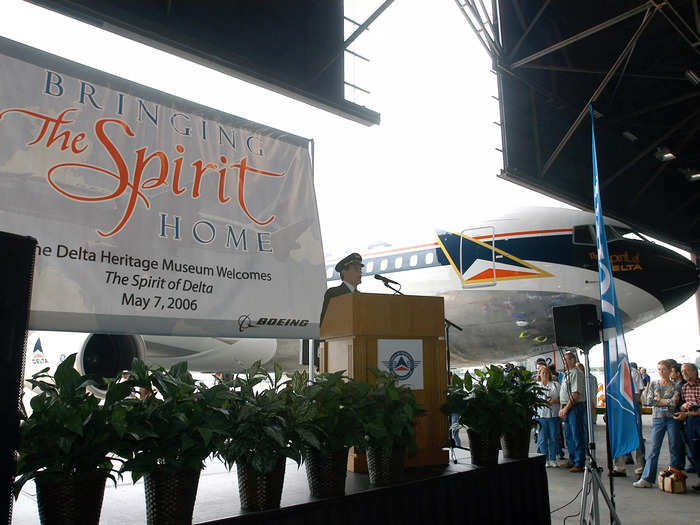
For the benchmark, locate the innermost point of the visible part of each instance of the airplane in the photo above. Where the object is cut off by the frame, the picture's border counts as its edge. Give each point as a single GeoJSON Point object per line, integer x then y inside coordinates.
{"type": "Point", "coordinates": [500, 280]}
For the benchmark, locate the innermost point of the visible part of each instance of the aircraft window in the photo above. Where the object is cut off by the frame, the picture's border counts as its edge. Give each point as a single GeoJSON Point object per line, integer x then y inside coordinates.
{"type": "Point", "coordinates": [383, 264]}
{"type": "Point", "coordinates": [628, 233]}
{"type": "Point", "coordinates": [611, 234]}
{"type": "Point", "coordinates": [398, 262]}
{"type": "Point", "coordinates": [413, 260]}
{"type": "Point", "coordinates": [370, 267]}
{"type": "Point", "coordinates": [584, 235]}
{"type": "Point", "coordinates": [429, 258]}
{"type": "Point", "coordinates": [329, 272]}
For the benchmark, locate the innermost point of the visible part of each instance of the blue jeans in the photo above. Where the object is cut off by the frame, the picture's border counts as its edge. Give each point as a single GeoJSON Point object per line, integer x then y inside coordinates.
{"type": "Point", "coordinates": [660, 426]}
{"type": "Point", "coordinates": [692, 432]}
{"type": "Point", "coordinates": [454, 434]}
{"type": "Point", "coordinates": [576, 434]}
{"type": "Point", "coordinates": [547, 437]}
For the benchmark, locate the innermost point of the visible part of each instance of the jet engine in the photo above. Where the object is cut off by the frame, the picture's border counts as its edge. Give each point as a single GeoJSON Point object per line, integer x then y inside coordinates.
{"type": "Point", "coordinates": [105, 355]}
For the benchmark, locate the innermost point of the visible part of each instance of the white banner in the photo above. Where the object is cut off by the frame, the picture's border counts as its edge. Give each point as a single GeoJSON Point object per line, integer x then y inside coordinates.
{"type": "Point", "coordinates": [404, 359]}
{"type": "Point", "coordinates": [154, 215]}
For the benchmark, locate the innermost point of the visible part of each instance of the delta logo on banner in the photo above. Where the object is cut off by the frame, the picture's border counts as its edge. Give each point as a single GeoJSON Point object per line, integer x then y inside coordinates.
{"type": "Point", "coordinates": [620, 405]}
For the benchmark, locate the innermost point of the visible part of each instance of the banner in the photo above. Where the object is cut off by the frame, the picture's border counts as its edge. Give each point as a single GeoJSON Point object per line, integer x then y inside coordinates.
{"type": "Point", "coordinates": [620, 403]}
{"type": "Point", "coordinates": [154, 215]}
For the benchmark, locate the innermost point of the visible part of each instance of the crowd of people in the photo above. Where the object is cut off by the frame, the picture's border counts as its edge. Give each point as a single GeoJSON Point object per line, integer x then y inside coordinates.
{"type": "Point", "coordinates": [674, 400]}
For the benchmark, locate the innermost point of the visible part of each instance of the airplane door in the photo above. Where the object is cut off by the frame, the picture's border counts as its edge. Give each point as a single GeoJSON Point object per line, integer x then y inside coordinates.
{"type": "Point", "coordinates": [477, 257]}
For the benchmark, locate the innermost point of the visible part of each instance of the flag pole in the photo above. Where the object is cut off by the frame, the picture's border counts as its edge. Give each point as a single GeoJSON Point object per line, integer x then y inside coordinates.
{"type": "Point", "coordinates": [611, 478]}
{"type": "Point", "coordinates": [610, 461]}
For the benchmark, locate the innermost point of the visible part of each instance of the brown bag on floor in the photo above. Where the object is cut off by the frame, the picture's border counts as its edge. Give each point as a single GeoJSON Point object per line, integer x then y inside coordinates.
{"type": "Point", "coordinates": [672, 480]}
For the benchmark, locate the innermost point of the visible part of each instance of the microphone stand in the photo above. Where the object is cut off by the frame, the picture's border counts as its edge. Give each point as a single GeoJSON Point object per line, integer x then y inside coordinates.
{"type": "Point", "coordinates": [449, 324]}
{"type": "Point", "coordinates": [396, 291]}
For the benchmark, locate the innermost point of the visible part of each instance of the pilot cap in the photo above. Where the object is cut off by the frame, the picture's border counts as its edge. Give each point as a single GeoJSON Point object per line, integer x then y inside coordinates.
{"type": "Point", "coordinates": [353, 258]}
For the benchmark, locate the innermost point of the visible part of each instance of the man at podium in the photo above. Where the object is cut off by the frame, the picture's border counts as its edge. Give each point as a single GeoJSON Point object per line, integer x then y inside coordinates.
{"type": "Point", "coordinates": [350, 270]}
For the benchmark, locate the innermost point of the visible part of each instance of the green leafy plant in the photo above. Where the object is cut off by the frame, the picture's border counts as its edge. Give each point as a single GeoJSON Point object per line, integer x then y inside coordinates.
{"type": "Point", "coordinates": [69, 431]}
{"type": "Point", "coordinates": [173, 425]}
{"type": "Point", "coordinates": [480, 400]}
{"type": "Point", "coordinates": [335, 410]}
{"type": "Point", "coordinates": [524, 397]}
{"type": "Point", "coordinates": [269, 421]}
{"type": "Point", "coordinates": [389, 414]}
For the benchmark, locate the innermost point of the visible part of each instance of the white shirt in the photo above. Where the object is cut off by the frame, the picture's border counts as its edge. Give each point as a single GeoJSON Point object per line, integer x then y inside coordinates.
{"type": "Point", "coordinates": [552, 392]}
{"type": "Point", "coordinates": [637, 380]}
{"type": "Point", "coordinates": [350, 286]}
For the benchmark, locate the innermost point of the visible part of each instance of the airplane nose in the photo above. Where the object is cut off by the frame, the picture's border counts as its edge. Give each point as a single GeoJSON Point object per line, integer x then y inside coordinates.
{"type": "Point", "coordinates": [670, 277]}
{"type": "Point", "coordinates": [687, 278]}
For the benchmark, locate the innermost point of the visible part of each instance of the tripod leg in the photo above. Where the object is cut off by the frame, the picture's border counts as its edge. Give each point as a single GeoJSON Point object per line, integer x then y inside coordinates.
{"type": "Point", "coordinates": [598, 485]}
{"type": "Point", "coordinates": [583, 513]}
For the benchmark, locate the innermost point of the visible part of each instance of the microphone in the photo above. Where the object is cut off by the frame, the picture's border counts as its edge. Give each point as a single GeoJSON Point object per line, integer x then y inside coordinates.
{"type": "Point", "coordinates": [385, 280]}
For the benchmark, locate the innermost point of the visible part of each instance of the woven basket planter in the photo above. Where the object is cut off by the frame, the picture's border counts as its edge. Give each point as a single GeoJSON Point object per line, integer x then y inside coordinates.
{"type": "Point", "coordinates": [74, 499]}
{"type": "Point", "coordinates": [170, 496]}
{"type": "Point", "coordinates": [516, 445]}
{"type": "Point", "coordinates": [483, 448]}
{"type": "Point", "coordinates": [384, 468]}
{"type": "Point", "coordinates": [260, 491]}
{"type": "Point", "coordinates": [326, 472]}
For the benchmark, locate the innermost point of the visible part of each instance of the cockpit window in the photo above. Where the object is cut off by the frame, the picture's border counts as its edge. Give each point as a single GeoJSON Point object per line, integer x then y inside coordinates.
{"type": "Point", "coordinates": [628, 233]}
{"type": "Point", "coordinates": [585, 234]}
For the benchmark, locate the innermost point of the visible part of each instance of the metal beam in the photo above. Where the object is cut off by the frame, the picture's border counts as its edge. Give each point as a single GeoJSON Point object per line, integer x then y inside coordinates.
{"type": "Point", "coordinates": [567, 69]}
{"type": "Point", "coordinates": [651, 147]}
{"type": "Point", "coordinates": [491, 52]}
{"type": "Point", "coordinates": [528, 29]}
{"type": "Point", "coordinates": [491, 36]}
{"type": "Point", "coordinates": [367, 23]}
{"type": "Point", "coordinates": [354, 36]}
{"type": "Point", "coordinates": [628, 49]}
{"type": "Point", "coordinates": [693, 45]}
{"type": "Point", "coordinates": [660, 105]}
{"type": "Point", "coordinates": [584, 34]}
{"type": "Point", "coordinates": [664, 165]}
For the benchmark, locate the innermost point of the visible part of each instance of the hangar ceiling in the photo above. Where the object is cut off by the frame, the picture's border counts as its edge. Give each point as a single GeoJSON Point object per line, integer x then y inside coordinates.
{"type": "Point", "coordinates": [638, 63]}
{"type": "Point", "coordinates": [295, 48]}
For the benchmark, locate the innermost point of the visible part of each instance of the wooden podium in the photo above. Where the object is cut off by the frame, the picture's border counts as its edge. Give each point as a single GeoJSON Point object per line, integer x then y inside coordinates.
{"type": "Point", "coordinates": [356, 325]}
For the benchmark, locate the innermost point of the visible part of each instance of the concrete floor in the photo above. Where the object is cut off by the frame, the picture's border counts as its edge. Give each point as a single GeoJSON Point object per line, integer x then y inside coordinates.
{"type": "Point", "coordinates": [647, 506]}
{"type": "Point", "coordinates": [218, 496]}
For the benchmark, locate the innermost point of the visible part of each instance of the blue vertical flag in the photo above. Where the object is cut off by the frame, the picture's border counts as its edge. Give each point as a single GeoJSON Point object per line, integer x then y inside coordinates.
{"type": "Point", "coordinates": [619, 391]}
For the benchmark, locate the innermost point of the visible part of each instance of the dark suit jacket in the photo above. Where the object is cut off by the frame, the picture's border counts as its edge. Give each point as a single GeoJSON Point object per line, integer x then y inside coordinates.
{"type": "Point", "coordinates": [330, 293]}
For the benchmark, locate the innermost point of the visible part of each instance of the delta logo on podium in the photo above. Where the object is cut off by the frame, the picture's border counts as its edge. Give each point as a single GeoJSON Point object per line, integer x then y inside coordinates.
{"type": "Point", "coordinates": [404, 359]}
{"type": "Point", "coordinates": [402, 365]}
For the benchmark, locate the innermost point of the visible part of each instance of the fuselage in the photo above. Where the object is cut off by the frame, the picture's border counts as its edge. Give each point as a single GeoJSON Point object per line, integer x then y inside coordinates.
{"type": "Point", "coordinates": [500, 278]}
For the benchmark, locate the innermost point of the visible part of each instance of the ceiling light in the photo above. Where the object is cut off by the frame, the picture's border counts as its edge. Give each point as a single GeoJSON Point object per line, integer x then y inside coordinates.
{"type": "Point", "coordinates": [693, 77]}
{"type": "Point", "coordinates": [664, 154]}
{"type": "Point", "coordinates": [692, 174]}
{"type": "Point", "coordinates": [630, 136]}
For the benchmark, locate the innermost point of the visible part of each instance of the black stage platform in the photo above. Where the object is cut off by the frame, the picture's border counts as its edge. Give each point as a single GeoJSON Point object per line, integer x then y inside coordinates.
{"type": "Point", "coordinates": [513, 492]}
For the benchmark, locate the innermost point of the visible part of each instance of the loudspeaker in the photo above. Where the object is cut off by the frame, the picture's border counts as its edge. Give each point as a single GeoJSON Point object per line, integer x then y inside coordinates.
{"type": "Point", "coordinates": [576, 325]}
{"type": "Point", "coordinates": [16, 273]}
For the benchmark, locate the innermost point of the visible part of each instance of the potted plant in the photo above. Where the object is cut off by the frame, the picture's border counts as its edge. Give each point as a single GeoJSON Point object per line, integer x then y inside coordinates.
{"type": "Point", "coordinates": [389, 416]}
{"type": "Point", "coordinates": [479, 401]}
{"type": "Point", "coordinates": [65, 446]}
{"type": "Point", "coordinates": [523, 397]}
{"type": "Point", "coordinates": [335, 424]}
{"type": "Point", "coordinates": [167, 432]}
{"type": "Point", "coordinates": [262, 432]}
